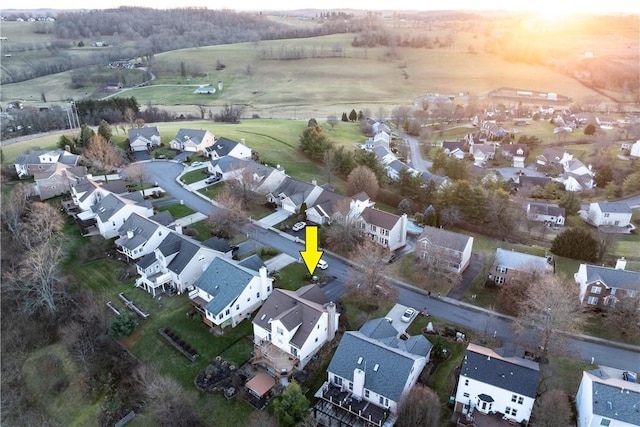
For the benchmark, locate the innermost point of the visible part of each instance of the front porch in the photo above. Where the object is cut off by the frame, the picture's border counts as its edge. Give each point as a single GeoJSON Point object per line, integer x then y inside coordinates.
{"type": "Point", "coordinates": [274, 358]}
{"type": "Point", "coordinates": [335, 404]}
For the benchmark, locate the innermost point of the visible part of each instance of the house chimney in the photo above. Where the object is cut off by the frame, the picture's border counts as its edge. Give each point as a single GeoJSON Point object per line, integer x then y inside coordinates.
{"type": "Point", "coordinates": [314, 182]}
{"type": "Point", "coordinates": [621, 263]}
{"type": "Point", "coordinates": [333, 320]}
{"type": "Point", "coordinates": [242, 141]}
{"type": "Point", "coordinates": [358, 383]}
{"type": "Point", "coordinates": [129, 234]}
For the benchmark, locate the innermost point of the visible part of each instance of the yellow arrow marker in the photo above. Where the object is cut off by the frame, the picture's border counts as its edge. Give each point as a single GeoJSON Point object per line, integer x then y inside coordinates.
{"type": "Point", "coordinates": [311, 255]}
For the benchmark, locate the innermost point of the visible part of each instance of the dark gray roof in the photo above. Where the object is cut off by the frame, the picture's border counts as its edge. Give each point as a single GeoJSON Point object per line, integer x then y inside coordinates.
{"type": "Point", "coordinates": [217, 243]}
{"type": "Point", "coordinates": [397, 165]}
{"type": "Point", "coordinates": [488, 367]}
{"type": "Point", "coordinates": [33, 158]}
{"type": "Point", "coordinates": [546, 209]}
{"type": "Point", "coordinates": [452, 145]}
{"type": "Point", "coordinates": [615, 400]}
{"type": "Point", "coordinates": [394, 359]}
{"type": "Point", "coordinates": [614, 207]}
{"type": "Point", "coordinates": [378, 329]}
{"type": "Point", "coordinates": [381, 151]}
{"type": "Point", "coordinates": [612, 278]}
{"type": "Point", "coordinates": [515, 260]}
{"type": "Point", "coordinates": [229, 163]}
{"type": "Point", "coordinates": [141, 228]}
{"type": "Point", "coordinates": [300, 309]}
{"type": "Point", "coordinates": [116, 187]}
{"type": "Point", "coordinates": [379, 218]}
{"type": "Point", "coordinates": [146, 261]}
{"type": "Point", "coordinates": [183, 248]}
{"type": "Point", "coordinates": [195, 135]}
{"type": "Point", "coordinates": [163, 218]}
{"type": "Point", "coordinates": [254, 262]}
{"type": "Point", "coordinates": [534, 181]}
{"type": "Point", "coordinates": [428, 176]}
{"type": "Point", "coordinates": [146, 132]}
{"type": "Point", "coordinates": [331, 202]}
{"type": "Point", "coordinates": [296, 190]}
{"type": "Point", "coordinates": [222, 146]}
{"type": "Point", "coordinates": [224, 281]}
{"type": "Point", "coordinates": [444, 238]}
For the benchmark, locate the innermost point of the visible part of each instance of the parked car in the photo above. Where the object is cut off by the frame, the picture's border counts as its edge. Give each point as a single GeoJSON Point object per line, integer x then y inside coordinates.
{"type": "Point", "coordinates": [194, 164]}
{"type": "Point", "coordinates": [212, 179]}
{"type": "Point", "coordinates": [299, 226]}
{"type": "Point", "coordinates": [323, 265]}
{"type": "Point", "coordinates": [408, 315]}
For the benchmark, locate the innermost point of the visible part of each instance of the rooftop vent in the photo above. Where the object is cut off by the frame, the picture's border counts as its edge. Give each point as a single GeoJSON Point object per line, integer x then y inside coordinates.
{"type": "Point", "coordinates": [263, 317]}
{"type": "Point", "coordinates": [375, 368]}
{"type": "Point", "coordinates": [359, 360]}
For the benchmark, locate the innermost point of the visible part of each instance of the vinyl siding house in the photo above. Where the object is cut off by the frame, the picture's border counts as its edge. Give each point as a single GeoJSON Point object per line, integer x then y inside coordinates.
{"type": "Point", "coordinates": [547, 213]}
{"type": "Point", "coordinates": [176, 263]}
{"type": "Point", "coordinates": [290, 328]}
{"type": "Point", "coordinates": [438, 244]}
{"type": "Point", "coordinates": [490, 383]}
{"type": "Point", "coordinates": [370, 372]}
{"type": "Point", "coordinates": [87, 192]}
{"type": "Point", "coordinates": [111, 212]}
{"type": "Point", "coordinates": [140, 236]}
{"type": "Point", "coordinates": [144, 138]}
{"type": "Point", "coordinates": [603, 286]}
{"type": "Point", "coordinates": [508, 264]}
{"type": "Point", "coordinates": [604, 398]}
{"type": "Point", "coordinates": [192, 140]}
{"type": "Point", "coordinates": [291, 193]}
{"type": "Point", "coordinates": [609, 213]}
{"type": "Point", "coordinates": [228, 293]}
{"type": "Point", "coordinates": [386, 229]}
{"type": "Point", "coordinates": [226, 147]}
{"type": "Point", "coordinates": [37, 161]}
{"type": "Point", "coordinates": [56, 180]}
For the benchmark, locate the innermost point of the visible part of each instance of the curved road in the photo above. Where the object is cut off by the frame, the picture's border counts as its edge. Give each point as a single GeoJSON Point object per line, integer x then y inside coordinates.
{"type": "Point", "coordinates": [467, 317]}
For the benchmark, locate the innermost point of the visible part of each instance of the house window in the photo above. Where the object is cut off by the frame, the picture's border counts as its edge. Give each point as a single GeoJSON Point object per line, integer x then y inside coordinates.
{"type": "Point", "coordinates": [501, 269]}
{"type": "Point", "coordinates": [499, 280]}
{"type": "Point", "coordinates": [337, 380]}
{"type": "Point", "coordinates": [220, 316]}
{"type": "Point", "coordinates": [237, 306]}
{"type": "Point", "coordinates": [268, 288]}
{"type": "Point", "coordinates": [366, 394]}
{"type": "Point", "coordinates": [374, 228]}
{"type": "Point", "coordinates": [596, 289]}
{"type": "Point", "coordinates": [466, 382]}
{"type": "Point", "coordinates": [227, 312]}
{"type": "Point", "coordinates": [606, 215]}
{"type": "Point", "coordinates": [514, 412]}
{"type": "Point", "coordinates": [350, 385]}
{"type": "Point", "coordinates": [294, 351]}
{"type": "Point", "coordinates": [605, 422]}
{"type": "Point", "coordinates": [514, 398]}
{"type": "Point", "coordinates": [593, 300]}
{"type": "Point", "coordinates": [258, 295]}
{"type": "Point", "coordinates": [507, 411]}
{"type": "Point", "coordinates": [384, 401]}
{"type": "Point", "coordinates": [279, 331]}
{"type": "Point", "coordinates": [465, 394]}
{"type": "Point", "coordinates": [520, 400]}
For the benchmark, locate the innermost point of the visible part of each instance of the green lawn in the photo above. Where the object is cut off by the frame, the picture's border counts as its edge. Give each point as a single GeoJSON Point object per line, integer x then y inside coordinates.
{"type": "Point", "coordinates": [177, 210]}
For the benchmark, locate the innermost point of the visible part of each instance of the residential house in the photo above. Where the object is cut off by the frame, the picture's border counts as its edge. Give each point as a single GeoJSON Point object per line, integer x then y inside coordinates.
{"type": "Point", "coordinates": [605, 398]}
{"type": "Point", "coordinates": [144, 138]}
{"type": "Point", "coordinates": [384, 154]}
{"type": "Point", "coordinates": [329, 206]}
{"type": "Point", "coordinates": [140, 236]}
{"type": "Point", "coordinates": [492, 131]}
{"type": "Point", "coordinates": [228, 167]}
{"type": "Point", "coordinates": [226, 147]}
{"type": "Point", "coordinates": [111, 212]}
{"type": "Point", "coordinates": [384, 228]}
{"type": "Point", "coordinates": [56, 180]}
{"type": "Point", "coordinates": [291, 327]}
{"type": "Point", "coordinates": [454, 149]}
{"type": "Point", "coordinates": [482, 153]}
{"type": "Point", "coordinates": [382, 137]}
{"type": "Point", "coordinates": [617, 214]}
{"type": "Point", "coordinates": [634, 148]}
{"type": "Point", "coordinates": [370, 372]}
{"type": "Point", "coordinates": [227, 293]}
{"type": "Point", "coordinates": [509, 264]}
{"type": "Point", "coordinates": [532, 181]}
{"type": "Point", "coordinates": [440, 245]}
{"type": "Point", "coordinates": [552, 156]}
{"type": "Point", "coordinates": [577, 176]}
{"type": "Point", "coordinates": [548, 213]}
{"type": "Point", "coordinates": [192, 140]}
{"type": "Point", "coordinates": [175, 264]}
{"type": "Point", "coordinates": [291, 194]}
{"type": "Point", "coordinates": [490, 383]}
{"type": "Point", "coordinates": [606, 122]}
{"type": "Point", "coordinates": [87, 192]}
{"type": "Point", "coordinates": [379, 127]}
{"type": "Point", "coordinates": [604, 286]}
{"type": "Point", "coordinates": [516, 152]}
{"type": "Point", "coordinates": [38, 161]}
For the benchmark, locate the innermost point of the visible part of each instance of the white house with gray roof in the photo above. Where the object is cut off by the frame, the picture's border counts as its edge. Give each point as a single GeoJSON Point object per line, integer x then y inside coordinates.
{"type": "Point", "coordinates": [548, 213]}
{"type": "Point", "coordinates": [617, 214]}
{"type": "Point", "coordinates": [440, 245]}
{"type": "Point", "coordinates": [508, 264]}
{"type": "Point", "coordinates": [604, 398]}
{"type": "Point", "coordinates": [489, 382]}
{"type": "Point", "coordinates": [111, 212]}
{"type": "Point", "coordinates": [290, 328]}
{"type": "Point", "coordinates": [144, 138]}
{"type": "Point", "coordinates": [227, 293]}
{"type": "Point", "coordinates": [177, 263]}
{"type": "Point", "coordinates": [192, 140]}
{"type": "Point", "coordinates": [140, 236]}
{"type": "Point", "coordinates": [227, 147]}
{"type": "Point", "coordinates": [384, 228]}
{"type": "Point", "coordinates": [604, 286]}
{"type": "Point", "coordinates": [292, 193]}
{"type": "Point", "coordinates": [371, 370]}
{"type": "Point", "coordinates": [38, 160]}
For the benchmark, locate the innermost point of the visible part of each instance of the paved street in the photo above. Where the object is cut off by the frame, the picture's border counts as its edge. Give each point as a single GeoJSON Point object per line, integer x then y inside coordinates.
{"type": "Point", "coordinates": [449, 310]}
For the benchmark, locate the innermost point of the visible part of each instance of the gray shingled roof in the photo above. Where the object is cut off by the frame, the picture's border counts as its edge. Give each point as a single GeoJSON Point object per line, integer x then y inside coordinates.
{"type": "Point", "coordinates": [379, 218]}
{"type": "Point", "coordinates": [623, 279]}
{"type": "Point", "coordinates": [195, 135]}
{"type": "Point", "coordinates": [615, 400]}
{"type": "Point", "coordinates": [490, 368]}
{"type": "Point", "coordinates": [142, 229]}
{"type": "Point", "coordinates": [614, 207]}
{"type": "Point", "coordinates": [294, 189]}
{"type": "Point", "coordinates": [301, 308]}
{"type": "Point", "coordinates": [33, 158]}
{"type": "Point", "coordinates": [534, 181]}
{"type": "Point", "coordinates": [163, 218]}
{"type": "Point", "coordinates": [225, 281]}
{"type": "Point", "coordinates": [146, 132]}
{"type": "Point", "coordinates": [546, 209]}
{"type": "Point", "coordinates": [393, 364]}
{"type": "Point", "coordinates": [146, 261]}
{"type": "Point", "coordinates": [444, 238]}
{"type": "Point", "coordinates": [218, 244]}
{"type": "Point", "coordinates": [515, 260]}
{"type": "Point", "coordinates": [254, 262]}
{"type": "Point", "coordinates": [183, 249]}
{"type": "Point", "coordinates": [222, 146]}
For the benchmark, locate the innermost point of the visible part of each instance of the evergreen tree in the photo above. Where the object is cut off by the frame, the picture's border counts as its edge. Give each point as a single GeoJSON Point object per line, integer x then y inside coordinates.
{"type": "Point", "coordinates": [123, 325]}
{"type": "Point", "coordinates": [104, 130]}
{"type": "Point", "coordinates": [344, 117]}
{"type": "Point", "coordinates": [576, 243]}
{"type": "Point", "coordinates": [291, 408]}
{"type": "Point", "coordinates": [570, 203]}
{"type": "Point", "coordinates": [353, 116]}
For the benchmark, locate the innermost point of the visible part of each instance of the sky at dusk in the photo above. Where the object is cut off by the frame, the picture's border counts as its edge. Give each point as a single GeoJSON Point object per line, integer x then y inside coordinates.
{"type": "Point", "coordinates": [551, 7]}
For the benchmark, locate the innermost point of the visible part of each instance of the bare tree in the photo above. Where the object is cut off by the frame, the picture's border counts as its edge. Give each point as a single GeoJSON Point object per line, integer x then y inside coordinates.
{"type": "Point", "coordinates": [231, 214]}
{"type": "Point", "coordinates": [332, 120]}
{"type": "Point", "coordinates": [450, 215]}
{"type": "Point", "coordinates": [15, 207]}
{"type": "Point", "coordinates": [41, 224]}
{"type": "Point", "coordinates": [420, 407]}
{"type": "Point", "coordinates": [606, 242]}
{"type": "Point", "coordinates": [245, 186]}
{"type": "Point", "coordinates": [552, 409]}
{"type": "Point", "coordinates": [103, 154]}
{"type": "Point", "coordinates": [549, 312]}
{"type": "Point", "coordinates": [400, 115]}
{"type": "Point", "coordinates": [625, 315]}
{"type": "Point", "coordinates": [362, 179]}
{"type": "Point", "coordinates": [136, 172]}
{"type": "Point", "coordinates": [433, 271]}
{"type": "Point", "coordinates": [129, 116]}
{"type": "Point", "coordinates": [371, 280]}
{"type": "Point", "coordinates": [342, 237]}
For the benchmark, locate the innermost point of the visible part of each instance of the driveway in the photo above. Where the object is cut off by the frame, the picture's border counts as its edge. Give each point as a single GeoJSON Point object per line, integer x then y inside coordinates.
{"type": "Point", "coordinates": [275, 218]}
{"type": "Point", "coordinates": [470, 273]}
{"type": "Point", "coordinates": [279, 262]}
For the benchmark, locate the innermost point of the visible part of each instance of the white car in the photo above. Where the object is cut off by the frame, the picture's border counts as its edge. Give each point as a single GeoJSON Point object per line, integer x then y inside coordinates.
{"type": "Point", "coordinates": [194, 164]}
{"type": "Point", "coordinates": [408, 315]}
{"type": "Point", "coordinates": [299, 226]}
{"type": "Point", "coordinates": [322, 264]}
